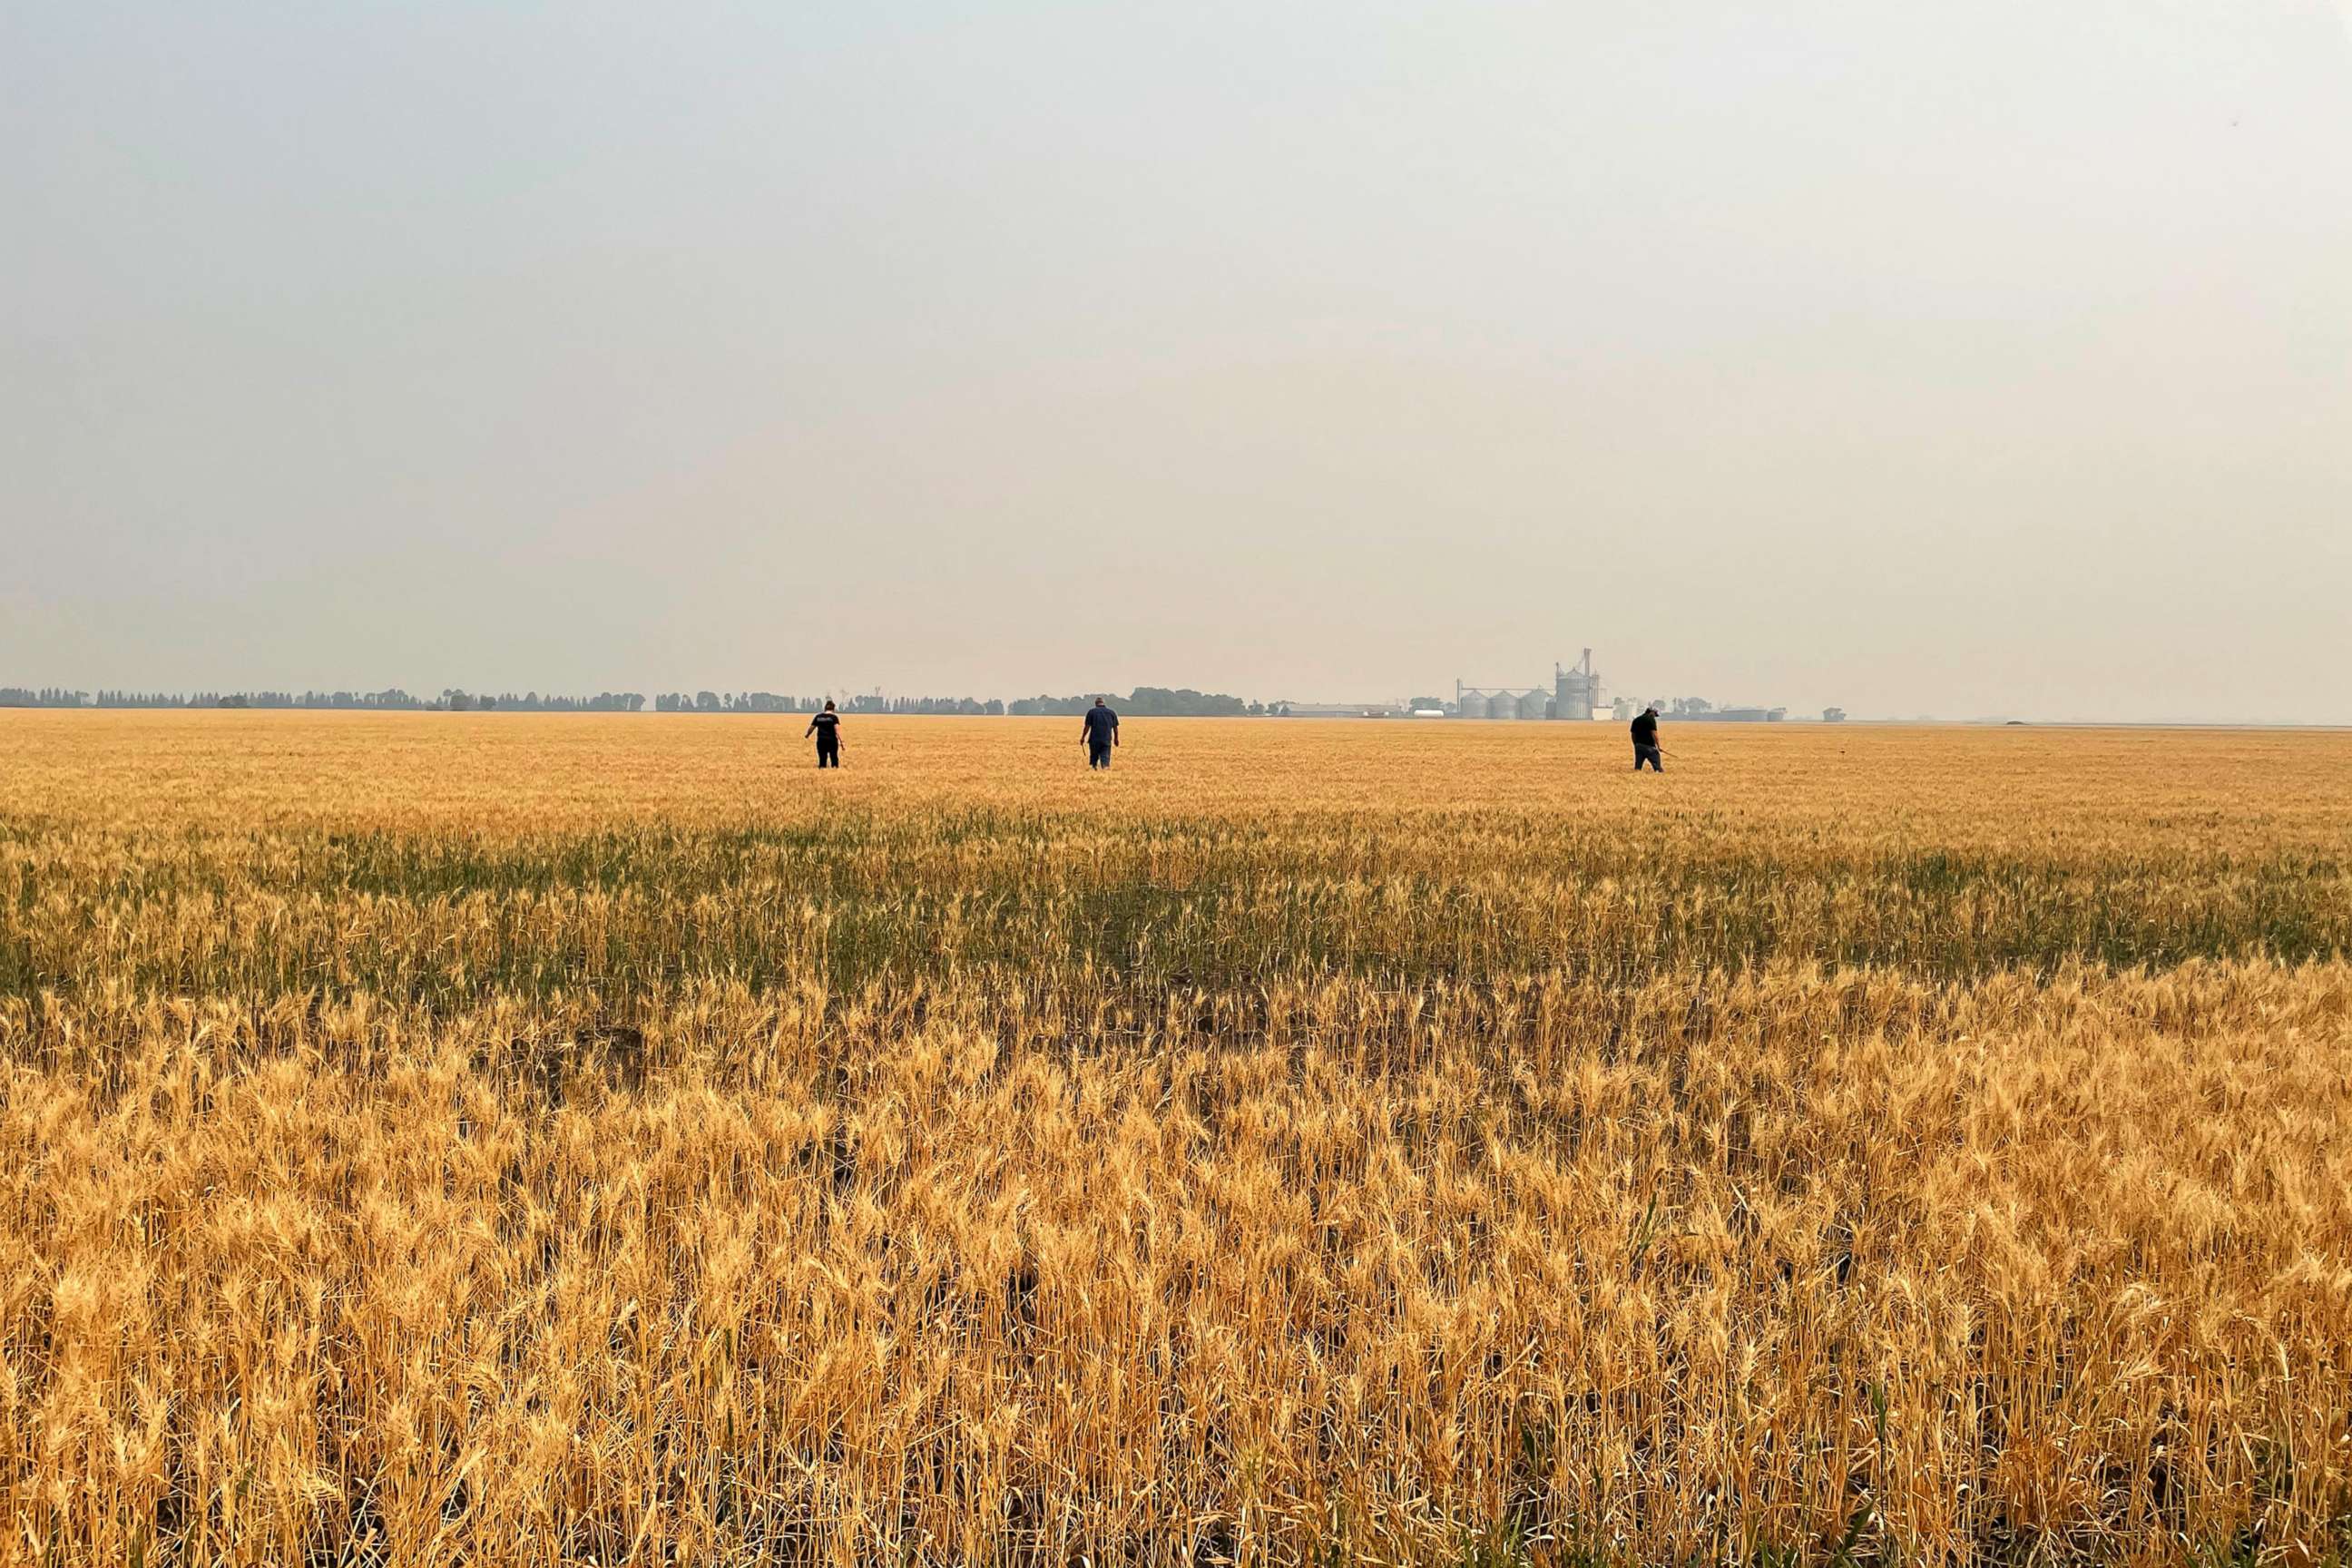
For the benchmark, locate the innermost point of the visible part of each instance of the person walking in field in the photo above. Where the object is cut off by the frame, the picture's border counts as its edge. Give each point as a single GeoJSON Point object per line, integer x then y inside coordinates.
{"type": "Point", "coordinates": [1100, 730]}
{"type": "Point", "coordinates": [826, 728]}
{"type": "Point", "coordinates": [1645, 741]}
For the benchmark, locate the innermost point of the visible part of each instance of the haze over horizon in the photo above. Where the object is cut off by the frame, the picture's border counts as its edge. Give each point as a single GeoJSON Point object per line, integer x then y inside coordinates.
{"type": "Point", "coordinates": [1993, 360]}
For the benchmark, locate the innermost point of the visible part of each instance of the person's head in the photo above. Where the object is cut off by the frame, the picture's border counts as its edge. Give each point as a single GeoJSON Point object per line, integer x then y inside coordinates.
{"type": "Point", "coordinates": [1098, 702]}
{"type": "Point", "coordinates": [828, 704]}
{"type": "Point", "coordinates": [1652, 709]}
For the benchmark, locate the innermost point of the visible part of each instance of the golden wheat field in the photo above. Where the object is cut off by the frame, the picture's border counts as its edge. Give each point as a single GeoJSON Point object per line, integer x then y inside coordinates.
{"type": "Point", "coordinates": [491, 1138]}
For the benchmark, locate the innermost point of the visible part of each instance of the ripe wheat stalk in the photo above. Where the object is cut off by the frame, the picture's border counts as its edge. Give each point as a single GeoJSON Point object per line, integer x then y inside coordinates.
{"type": "Point", "coordinates": [434, 1140]}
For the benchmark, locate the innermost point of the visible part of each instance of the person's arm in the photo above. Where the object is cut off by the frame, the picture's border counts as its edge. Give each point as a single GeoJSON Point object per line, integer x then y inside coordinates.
{"type": "Point", "coordinates": [1114, 729]}
{"type": "Point", "coordinates": [810, 731]}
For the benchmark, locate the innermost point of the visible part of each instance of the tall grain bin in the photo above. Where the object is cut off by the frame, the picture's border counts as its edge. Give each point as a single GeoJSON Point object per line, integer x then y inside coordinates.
{"type": "Point", "coordinates": [1534, 705]}
{"type": "Point", "coordinates": [1472, 705]}
{"type": "Point", "coordinates": [1577, 691]}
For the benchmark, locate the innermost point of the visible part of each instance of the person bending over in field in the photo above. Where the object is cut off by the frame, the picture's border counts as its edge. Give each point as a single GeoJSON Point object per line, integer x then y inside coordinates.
{"type": "Point", "coordinates": [1645, 741]}
{"type": "Point", "coordinates": [1100, 730]}
{"type": "Point", "coordinates": [826, 728]}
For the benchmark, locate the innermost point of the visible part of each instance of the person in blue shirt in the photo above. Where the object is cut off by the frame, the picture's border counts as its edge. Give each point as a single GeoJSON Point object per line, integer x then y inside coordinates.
{"type": "Point", "coordinates": [1100, 730]}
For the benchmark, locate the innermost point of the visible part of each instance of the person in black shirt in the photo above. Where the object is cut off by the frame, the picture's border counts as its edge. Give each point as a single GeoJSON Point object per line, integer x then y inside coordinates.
{"type": "Point", "coordinates": [1100, 730]}
{"type": "Point", "coordinates": [1645, 743]}
{"type": "Point", "coordinates": [826, 728]}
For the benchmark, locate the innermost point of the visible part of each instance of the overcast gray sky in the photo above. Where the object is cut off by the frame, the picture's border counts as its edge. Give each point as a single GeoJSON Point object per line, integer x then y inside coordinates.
{"type": "Point", "coordinates": [1967, 358]}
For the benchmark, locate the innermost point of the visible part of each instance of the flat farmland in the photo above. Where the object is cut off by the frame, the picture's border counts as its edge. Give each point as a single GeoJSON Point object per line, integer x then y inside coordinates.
{"type": "Point", "coordinates": [482, 1138]}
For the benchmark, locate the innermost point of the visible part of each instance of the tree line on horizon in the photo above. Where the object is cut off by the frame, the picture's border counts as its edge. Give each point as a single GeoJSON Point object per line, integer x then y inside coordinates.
{"type": "Point", "coordinates": [1144, 701]}
{"type": "Point", "coordinates": [1151, 702]}
{"type": "Point", "coordinates": [391, 700]}
{"type": "Point", "coordinates": [770, 703]}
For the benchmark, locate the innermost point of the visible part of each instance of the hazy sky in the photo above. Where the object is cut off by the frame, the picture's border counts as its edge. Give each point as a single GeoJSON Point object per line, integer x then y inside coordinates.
{"type": "Point", "coordinates": [1967, 358]}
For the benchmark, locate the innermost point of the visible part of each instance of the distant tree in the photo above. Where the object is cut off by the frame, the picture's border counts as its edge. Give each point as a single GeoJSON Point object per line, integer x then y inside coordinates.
{"type": "Point", "coordinates": [1164, 701]}
{"type": "Point", "coordinates": [1144, 701]}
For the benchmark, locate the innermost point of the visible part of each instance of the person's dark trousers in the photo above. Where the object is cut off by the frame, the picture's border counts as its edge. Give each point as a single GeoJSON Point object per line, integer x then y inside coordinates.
{"type": "Point", "coordinates": [1648, 755]}
{"type": "Point", "coordinates": [828, 756]}
{"type": "Point", "coordinates": [1097, 754]}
